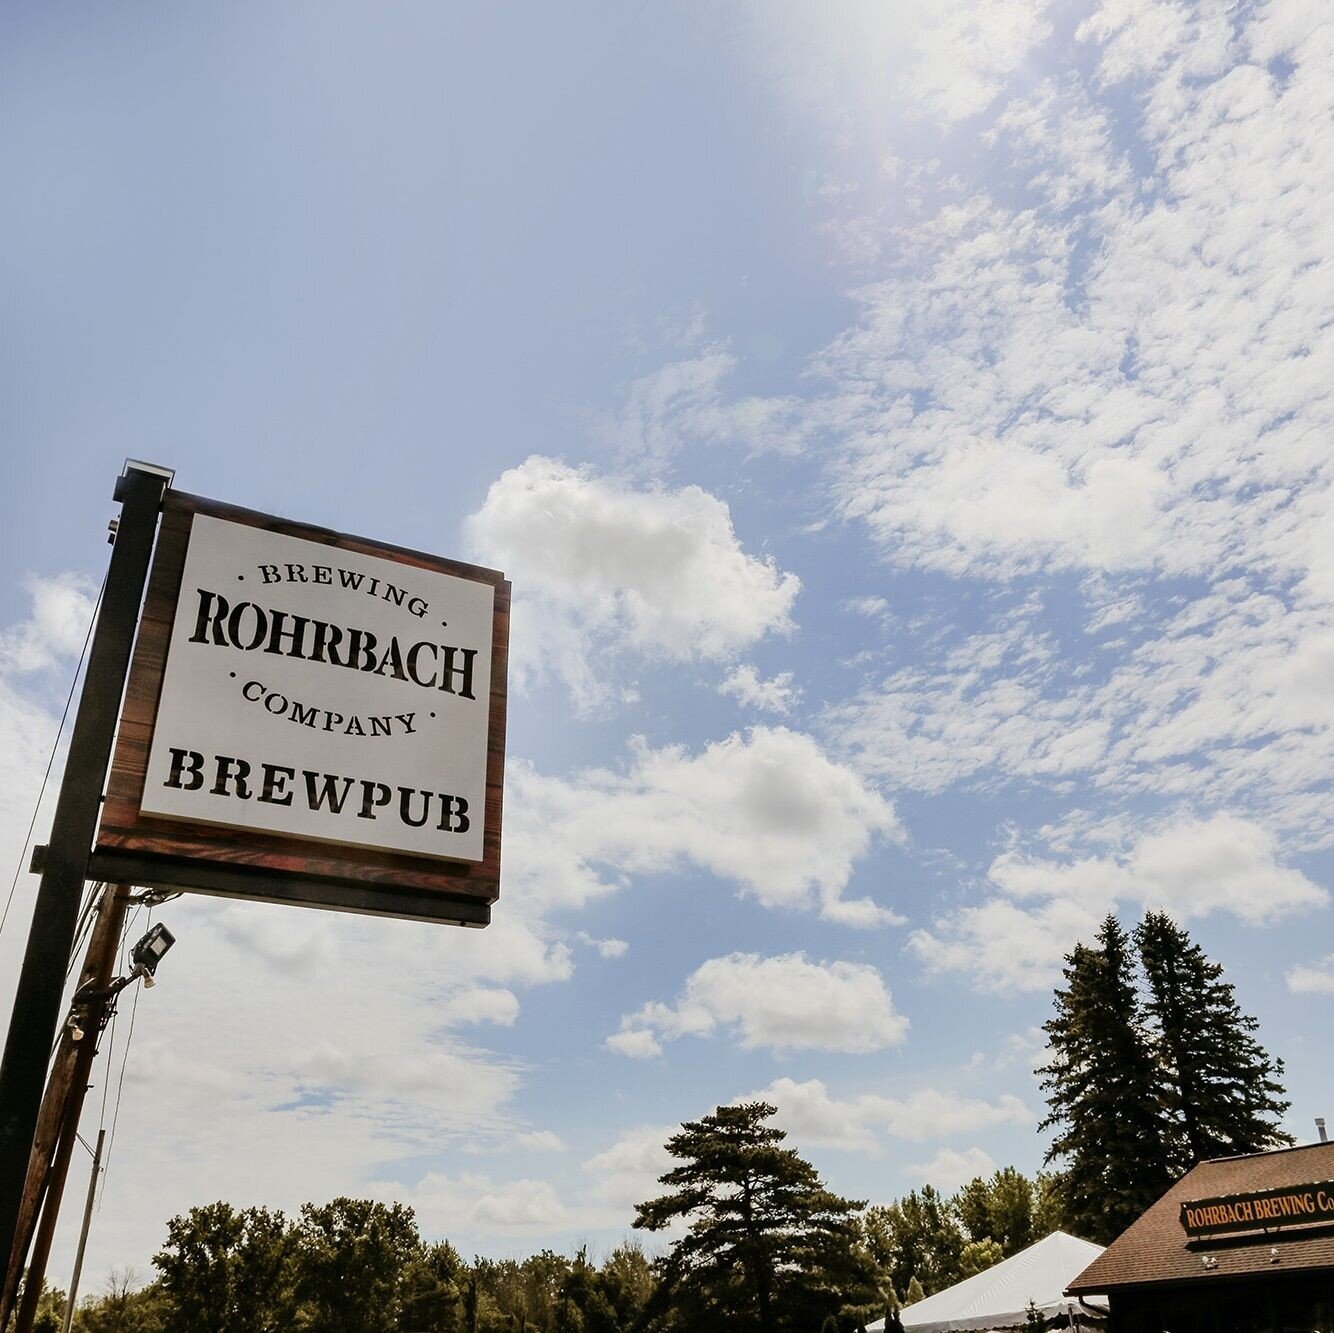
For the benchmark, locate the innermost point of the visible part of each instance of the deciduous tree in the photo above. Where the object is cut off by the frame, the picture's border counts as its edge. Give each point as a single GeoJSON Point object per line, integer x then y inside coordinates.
{"type": "Point", "coordinates": [227, 1270]}
{"type": "Point", "coordinates": [915, 1237]}
{"type": "Point", "coordinates": [351, 1256]}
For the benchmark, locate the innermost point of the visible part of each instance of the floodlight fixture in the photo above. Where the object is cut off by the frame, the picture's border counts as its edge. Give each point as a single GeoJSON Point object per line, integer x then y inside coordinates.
{"type": "Point", "coordinates": [148, 953]}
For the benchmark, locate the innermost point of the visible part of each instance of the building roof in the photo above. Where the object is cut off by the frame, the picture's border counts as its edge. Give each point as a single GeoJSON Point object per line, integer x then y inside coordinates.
{"type": "Point", "coordinates": [1155, 1248]}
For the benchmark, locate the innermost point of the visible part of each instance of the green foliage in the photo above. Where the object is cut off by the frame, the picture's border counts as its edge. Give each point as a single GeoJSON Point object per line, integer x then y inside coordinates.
{"type": "Point", "coordinates": [915, 1293]}
{"type": "Point", "coordinates": [1218, 1085]}
{"type": "Point", "coordinates": [227, 1270]}
{"type": "Point", "coordinates": [999, 1209]}
{"type": "Point", "coordinates": [768, 1247]}
{"type": "Point", "coordinates": [124, 1307]}
{"type": "Point", "coordinates": [1049, 1204]}
{"type": "Point", "coordinates": [607, 1300]}
{"type": "Point", "coordinates": [1102, 1092]}
{"type": "Point", "coordinates": [1139, 1089]}
{"type": "Point", "coordinates": [916, 1237]}
{"type": "Point", "coordinates": [429, 1290]}
{"type": "Point", "coordinates": [350, 1254]}
{"type": "Point", "coordinates": [756, 1212]}
{"type": "Point", "coordinates": [978, 1256]}
{"type": "Point", "coordinates": [50, 1312]}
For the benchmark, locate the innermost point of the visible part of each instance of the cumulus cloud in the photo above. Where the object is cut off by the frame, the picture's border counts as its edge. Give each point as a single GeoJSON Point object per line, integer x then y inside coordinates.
{"type": "Point", "coordinates": [480, 1004]}
{"type": "Point", "coordinates": [62, 611]}
{"type": "Point", "coordinates": [780, 1004]}
{"type": "Point", "coordinates": [811, 1114]}
{"type": "Point", "coordinates": [1187, 866]}
{"type": "Point", "coordinates": [1313, 978]}
{"type": "Point", "coordinates": [472, 1203]}
{"type": "Point", "coordinates": [768, 810]}
{"type": "Point", "coordinates": [776, 695]}
{"type": "Point", "coordinates": [606, 948]}
{"type": "Point", "coordinates": [626, 1173]}
{"type": "Point", "coordinates": [636, 1043]}
{"type": "Point", "coordinates": [950, 1170]}
{"type": "Point", "coordinates": [37, 661]}
{"type": "Point", "coordinates": [540, 1140]}
{"type": "Point", "coordinates": [600, 566]}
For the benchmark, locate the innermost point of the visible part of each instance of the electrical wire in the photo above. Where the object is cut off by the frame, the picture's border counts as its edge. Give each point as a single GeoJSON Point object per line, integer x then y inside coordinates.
{"type": "Point", "coordinates": [87, 918]}
{"type": "Point", "coordinates": [125, 1058]}
{"type": "Point", "coordinates": [51, 759]}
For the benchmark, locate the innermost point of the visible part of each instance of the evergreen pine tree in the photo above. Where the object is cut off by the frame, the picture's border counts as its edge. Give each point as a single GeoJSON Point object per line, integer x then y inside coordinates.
{"type": "Point", "coordinates": [768, 1247]}
{"type": "Point", "coordinates": [1102, 1093]}
{"type": "Point", "coordinates": [1218, 1083]}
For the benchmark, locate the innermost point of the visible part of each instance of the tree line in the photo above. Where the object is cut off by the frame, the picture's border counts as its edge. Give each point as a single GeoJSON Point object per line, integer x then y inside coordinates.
{"type": "Point", "coordinates": [1151, 1066]}
{"type": "Point", "coordinates": [361, 1266]}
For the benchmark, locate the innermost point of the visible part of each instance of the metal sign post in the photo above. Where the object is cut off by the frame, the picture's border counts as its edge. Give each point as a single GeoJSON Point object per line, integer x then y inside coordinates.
{"type": "Point", "coordinates": [37, 1001]}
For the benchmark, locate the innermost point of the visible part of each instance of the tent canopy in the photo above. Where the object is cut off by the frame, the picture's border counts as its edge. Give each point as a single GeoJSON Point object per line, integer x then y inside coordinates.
{"type": "Point", "coordinates": [999, 1297]}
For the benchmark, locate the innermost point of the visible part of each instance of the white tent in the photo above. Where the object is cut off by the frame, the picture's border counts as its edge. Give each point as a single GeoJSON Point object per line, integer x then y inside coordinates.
{"type": "Point", "coordinates": [1000, 1296]}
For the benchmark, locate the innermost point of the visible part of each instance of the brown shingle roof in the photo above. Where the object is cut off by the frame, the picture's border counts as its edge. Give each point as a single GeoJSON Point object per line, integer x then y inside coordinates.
{"type": "Point", "coordinates": [1155, 1248]}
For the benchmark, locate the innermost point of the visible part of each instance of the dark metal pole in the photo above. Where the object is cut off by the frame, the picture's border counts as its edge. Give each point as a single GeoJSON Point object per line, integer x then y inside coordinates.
{"type": "Point", "coordinates": [37, 1000]}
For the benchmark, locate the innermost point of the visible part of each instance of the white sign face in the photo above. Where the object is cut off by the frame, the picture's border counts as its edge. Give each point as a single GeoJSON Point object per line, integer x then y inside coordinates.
{"type": "Point", "coordinates": [319, 693]}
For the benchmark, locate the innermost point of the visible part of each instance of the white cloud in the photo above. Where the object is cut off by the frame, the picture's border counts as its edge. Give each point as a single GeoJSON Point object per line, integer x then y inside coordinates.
{"type": "Point", "coordinates": [781, 1004]}
{"type": "Point", "coordinates": [637, 1043]}
{"type": "Point", "coordinates": [950, 1170]}
{"type": "Point", "coordinates": [331, 1072]}
{"type": "Point", "coordinates": [1219, 699]}
{"type": "Point", "coordinates": [812, 1115]}
{"type": "Point", "coordinates": [1313, 978]}
{"type": "Point", "coordinates": [626, 1174]}
{"type": "Point", "coordinates": [62, 611]}
{"type": "Point", "coordinates": [472, 1203]}
{"type": "Point", "coordinates": [606, 948]}
{"type": "Point", "coordinates": [1118, 372]}
{"type": "Point", "coordinates": [599, 567]}
{"type": "Point", "coordinates": [1187, 866]}
{"type": "Point", "coordinates": [540, 1140]}
{"type": "Point", "coordinates": [480, 1004]}
{"type": "Point", "coordinates": [37, 659]}
{"type": "Point", "coordinates": [682, 403]}
{"type": "Point", "coordinates": [768, 811]}
{"type": "Point", "coordinates": [776, 695]}
{"type": "Point", "coordinates": [964, 57]}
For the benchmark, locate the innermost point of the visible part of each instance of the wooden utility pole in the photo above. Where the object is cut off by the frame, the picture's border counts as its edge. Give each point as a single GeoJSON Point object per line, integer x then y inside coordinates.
{"type": "Point", "coordinates": [33, 1029]}
{"type": "Point", "coordinates": [73, 1294]}
{"type": "Point", "coordinates": [58, 1119]}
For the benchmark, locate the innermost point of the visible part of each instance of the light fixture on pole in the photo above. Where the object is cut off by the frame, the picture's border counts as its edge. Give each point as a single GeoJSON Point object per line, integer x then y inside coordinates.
{"type": "Point", "coordinates": [150, 950]}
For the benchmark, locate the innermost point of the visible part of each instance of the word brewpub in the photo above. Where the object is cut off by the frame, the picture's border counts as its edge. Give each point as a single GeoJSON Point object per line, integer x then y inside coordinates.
{"type": "Point", "coordinates": [425, 664]}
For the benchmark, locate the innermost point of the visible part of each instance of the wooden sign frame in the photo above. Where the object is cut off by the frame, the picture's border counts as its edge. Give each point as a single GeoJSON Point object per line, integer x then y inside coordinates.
{"type": "Point", "coordinates": [173, 854]}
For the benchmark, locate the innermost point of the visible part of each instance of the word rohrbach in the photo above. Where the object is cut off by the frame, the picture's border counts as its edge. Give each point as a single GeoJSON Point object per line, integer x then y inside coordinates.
{"type": "Point", "coordinates": [345, 701]}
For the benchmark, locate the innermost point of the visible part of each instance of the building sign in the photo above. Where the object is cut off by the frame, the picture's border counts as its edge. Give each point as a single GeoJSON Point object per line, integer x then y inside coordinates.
{"type": "Point", "coordinates": [1291, 1206]}
{"type": "Point", "coordinates": [340, 697]}
{"type": "Point", "coordinates": [326, 710]}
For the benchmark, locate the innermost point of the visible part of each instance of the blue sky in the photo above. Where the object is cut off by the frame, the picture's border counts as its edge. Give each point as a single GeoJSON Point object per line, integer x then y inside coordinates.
{"type": "Point", "coordinates": [906, 429]}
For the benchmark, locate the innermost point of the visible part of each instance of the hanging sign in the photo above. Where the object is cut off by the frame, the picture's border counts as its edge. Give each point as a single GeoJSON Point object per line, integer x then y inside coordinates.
{"type": "Point", "coordinates": [311, 714]}
{"type": "Point", "coordinates": [1290, 1206]}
